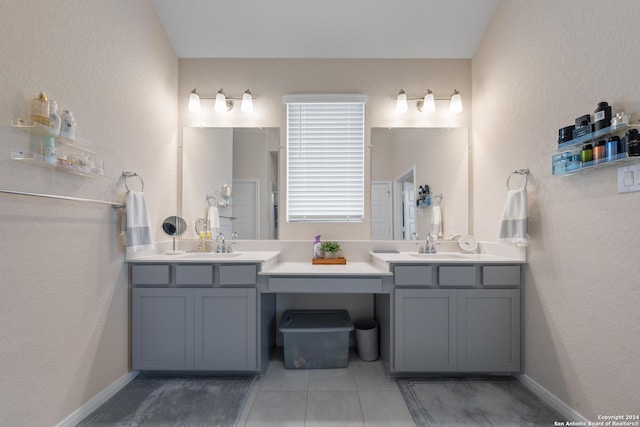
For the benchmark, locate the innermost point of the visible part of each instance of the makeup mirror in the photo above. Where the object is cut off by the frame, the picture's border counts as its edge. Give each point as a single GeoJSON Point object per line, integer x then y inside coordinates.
{"type": "Point", "coordinates": [174, 226]}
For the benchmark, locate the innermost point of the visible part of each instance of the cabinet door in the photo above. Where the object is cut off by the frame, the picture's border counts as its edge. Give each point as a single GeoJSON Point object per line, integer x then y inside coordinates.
{"type": "Point", "coordinates": [489, 330]}
{"type": "Point", "coordinates": [225, 329]}
{"type": "Point", "coordinates": [162, 329]}
{"type": "Point", "coordinates": [425, 330]}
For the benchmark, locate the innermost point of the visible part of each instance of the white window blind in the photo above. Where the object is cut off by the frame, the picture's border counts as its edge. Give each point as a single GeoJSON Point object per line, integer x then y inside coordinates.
{"type": "Point", "coordinates": [325, 158]}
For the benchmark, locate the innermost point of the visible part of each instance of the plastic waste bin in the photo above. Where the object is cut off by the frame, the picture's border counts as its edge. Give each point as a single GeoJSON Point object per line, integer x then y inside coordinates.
{"type": "Point", "coordinates": [367, 339]}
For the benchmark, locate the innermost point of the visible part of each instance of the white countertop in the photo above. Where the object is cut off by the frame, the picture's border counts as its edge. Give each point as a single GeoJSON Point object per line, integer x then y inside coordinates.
{"type": "Point", "coordinates": [309, 269]}
{"type": "Point", "coordinates": [444, 258]}
{"type": "Point", "coordinates": [208, 257]}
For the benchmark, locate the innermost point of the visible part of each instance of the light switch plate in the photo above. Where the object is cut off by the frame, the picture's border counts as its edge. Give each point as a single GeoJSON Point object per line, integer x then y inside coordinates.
{"type": "Point", "coordinates": [629, 179]}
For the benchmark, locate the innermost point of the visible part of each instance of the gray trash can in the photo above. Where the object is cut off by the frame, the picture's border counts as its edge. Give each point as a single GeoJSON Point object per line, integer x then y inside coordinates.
{"type": "Point", "coordinates": [367, 339]}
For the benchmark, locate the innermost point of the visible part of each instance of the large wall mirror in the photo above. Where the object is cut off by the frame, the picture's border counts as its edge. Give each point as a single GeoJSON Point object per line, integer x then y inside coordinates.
{"type": "Point", "coordinates": [242, 159]}
{"type": "Point", "coordinates": [402, 160]}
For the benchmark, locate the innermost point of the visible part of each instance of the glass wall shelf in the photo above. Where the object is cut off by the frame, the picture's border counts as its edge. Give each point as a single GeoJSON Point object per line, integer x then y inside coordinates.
{"type": "Point", "coordinates": [38, 160]}
{"type": "Point", "coordinates": [617, 160]}
{"type": "Point", "coordinates": [575, 145]}
{"type": "Point", "coordinates": [79, 143]}
{"type": "Point", "coordinates": [595, 135]}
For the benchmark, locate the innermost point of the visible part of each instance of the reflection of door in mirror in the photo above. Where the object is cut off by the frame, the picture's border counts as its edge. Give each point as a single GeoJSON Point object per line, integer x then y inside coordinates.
{"type": "Point", "coordinates": [381, 210]}
{"type": "Point", "coordinates": [405, 224]}
{"type": "Point", "coordinates": [246, 208]}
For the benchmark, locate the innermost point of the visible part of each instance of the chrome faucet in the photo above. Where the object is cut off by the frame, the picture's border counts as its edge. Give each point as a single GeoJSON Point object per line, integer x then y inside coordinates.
{"type": "Point", "coordinates": [429, 246]}
{"type": "Point", "coordinates": [220, 247]}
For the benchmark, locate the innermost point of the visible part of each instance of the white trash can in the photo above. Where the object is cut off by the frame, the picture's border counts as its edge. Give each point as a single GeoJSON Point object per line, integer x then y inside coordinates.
{"type": "Point", "coordinates": [367, 339]}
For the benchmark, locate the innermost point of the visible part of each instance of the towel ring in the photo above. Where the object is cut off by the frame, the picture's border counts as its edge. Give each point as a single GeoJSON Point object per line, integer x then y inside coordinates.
{"type": "Point", "coordinates": [523, 172]}
{"type": "Point", "coordinates": [209, 198]}
{"type": "Point", "coordinates": [128, 174]}
{"type": "Point", "coordinates": [437, 199]}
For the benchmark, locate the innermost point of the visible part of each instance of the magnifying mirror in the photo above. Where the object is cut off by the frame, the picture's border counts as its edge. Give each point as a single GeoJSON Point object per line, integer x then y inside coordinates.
{"type": "Point", "coordinates": [174, 226]}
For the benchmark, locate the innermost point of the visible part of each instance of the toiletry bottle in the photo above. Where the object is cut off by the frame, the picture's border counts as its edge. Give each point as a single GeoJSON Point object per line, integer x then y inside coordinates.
{"type": "Point", "coordinates": [54, 118]}
{"type": "Point", "coordinates": [49, 149]}
{"type": "Point", "coordinates": [316, 247]}
{"type": "Point", "coordinates": [602, 116]}
{"type": "Point", "coordinates": [202, 244]}
{"type": "Point", "coordinates": [40, 112]}
{"type": "Point", "coordinates": [208, 243]}
{"type": "Point", "coordinates": [599, 151]}
{"type": "Point", "coordinates": [68, 127]}
{"type": "Point", "coordinates": [586, 155]}
{"type": "Point", "coordinates": [611, 147]}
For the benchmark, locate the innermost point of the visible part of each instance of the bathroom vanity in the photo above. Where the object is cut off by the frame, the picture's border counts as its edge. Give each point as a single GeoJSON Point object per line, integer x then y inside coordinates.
{"type": "Point", "coordinates": [445, 312]}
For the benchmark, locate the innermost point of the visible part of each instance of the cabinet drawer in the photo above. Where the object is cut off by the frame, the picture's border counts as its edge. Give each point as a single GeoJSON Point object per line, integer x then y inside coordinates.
{"type": "Point", "coordinates": [459, 275]}
{"type": "Point", "coordinates": [194, 275]}
{"type": "Point", "coordinates": [413, 275]}
{"type": "Point", "coordinates": [501, 275]}
{"type": "Point", "coordinates": [238, 275]}
{"type": "Point", "coordinates": [152, 274]}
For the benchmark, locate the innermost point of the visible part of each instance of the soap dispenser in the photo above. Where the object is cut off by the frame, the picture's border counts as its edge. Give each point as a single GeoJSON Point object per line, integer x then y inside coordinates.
{"type": "Point", "coordinates": [316, 247]}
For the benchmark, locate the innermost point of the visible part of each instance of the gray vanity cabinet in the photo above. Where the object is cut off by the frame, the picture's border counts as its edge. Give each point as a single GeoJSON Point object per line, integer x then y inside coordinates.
{"type": "Point", "coordinates": [162, 329]}
{"type": "Point", "coordinates": [438, 328]}
{"type": "Point", "coordinates": [183, 319]}
{"type": "Point", "coordinates": [426, 330]}
{"type": "Point", "coordinates": [225, 330]}
{"type": "Point", "coordinates": [489, 330]}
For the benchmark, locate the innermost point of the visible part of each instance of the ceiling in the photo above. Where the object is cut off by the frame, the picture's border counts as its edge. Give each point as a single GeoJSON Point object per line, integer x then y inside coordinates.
{"type": "Point", "coordinates": [325, 28]}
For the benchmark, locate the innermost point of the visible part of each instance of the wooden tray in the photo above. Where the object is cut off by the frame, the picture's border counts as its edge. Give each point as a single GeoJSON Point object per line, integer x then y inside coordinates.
{"type": "Point", "coordinates": [333, 261]}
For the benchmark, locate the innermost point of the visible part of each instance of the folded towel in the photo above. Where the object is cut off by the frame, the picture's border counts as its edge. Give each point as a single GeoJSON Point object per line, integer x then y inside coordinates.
{"type": "Point", "coordinates": [514, 226]}
{"type": "Point", "coordinates": [138, 231]}
{"type": "Point", "coordinates": [213, 218]}
{"type": "Point", "coordinates": [436, 222]}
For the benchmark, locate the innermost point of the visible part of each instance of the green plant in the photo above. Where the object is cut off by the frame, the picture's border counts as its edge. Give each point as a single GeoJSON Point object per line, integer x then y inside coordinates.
{"type": "Point", "coordinates": [329, 246]}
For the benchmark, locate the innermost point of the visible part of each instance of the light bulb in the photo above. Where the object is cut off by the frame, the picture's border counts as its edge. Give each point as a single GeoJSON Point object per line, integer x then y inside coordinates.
{"type": "Point", "coordinates": [194, 102]}
{"type": "Point", "coordinates": [221, 102]}
{"type": "Point", "coordinates": [455, 106]}
{"type": "Point", "coordinates": [429, 105]}
{"type": "Point", "coordinates": [401, 102]}
{"type": "Point", "coordinates": [247, 102]}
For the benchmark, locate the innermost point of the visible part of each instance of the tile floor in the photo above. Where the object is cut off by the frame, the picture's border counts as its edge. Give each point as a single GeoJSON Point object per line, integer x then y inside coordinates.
{"type": "Point", "coordinates": [359, 395]}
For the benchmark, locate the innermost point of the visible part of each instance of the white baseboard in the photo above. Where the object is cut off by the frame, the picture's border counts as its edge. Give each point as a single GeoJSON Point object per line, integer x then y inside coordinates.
{"type": "Point", "coordinates": [94, 403]}
{"type": "Point", "coordinates": [550, 399]}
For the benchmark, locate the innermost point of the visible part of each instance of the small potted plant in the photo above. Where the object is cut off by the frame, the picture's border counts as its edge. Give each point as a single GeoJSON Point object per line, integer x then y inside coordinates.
{"type": "Point", "coordinates": [330, 249]}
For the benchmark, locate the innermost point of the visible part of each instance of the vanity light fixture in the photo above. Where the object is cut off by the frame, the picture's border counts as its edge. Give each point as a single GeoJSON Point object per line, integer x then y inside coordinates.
{"type": "Point", "coordinates": [455, 106]}
{"type": "Point", "coordinates": [222, 103]}
{"type": "Point", "coordinates": [427, 104]}
{"type": "Point", "coordinates": [401, 102]}
{"type": "Point", "coordinates": [247, 102]}
{"type": "Point", "coordinates": [194, 102]}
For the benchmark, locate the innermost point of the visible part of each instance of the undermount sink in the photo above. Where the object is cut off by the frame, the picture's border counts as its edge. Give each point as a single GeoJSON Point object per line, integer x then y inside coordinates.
{"type": "Point", "coordinates": [211, 255]}
{"type": "Point", "coordinates": [441, 255]}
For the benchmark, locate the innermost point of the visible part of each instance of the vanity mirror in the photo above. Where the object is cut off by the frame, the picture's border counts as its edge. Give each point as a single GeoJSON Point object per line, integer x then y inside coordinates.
{"type": "Point", "coordinates": [174, 226]}
{"type": "Point", "coordinates": [238, 168]}
{"type": "Point", "coordinates": [247, 158]}
{"type": "Point", "coordinates": [402, 160]}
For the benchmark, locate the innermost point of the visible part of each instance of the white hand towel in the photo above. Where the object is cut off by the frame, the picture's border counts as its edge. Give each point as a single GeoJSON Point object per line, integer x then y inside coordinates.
{"type": "Point", "coordinates": [138, 231]}
{"type": "Point", "coordinates": [514, 225]}
{"type": "Point", "coordinates": [436, 222]}
{"type": "Point", "coordinates": [213, 218]}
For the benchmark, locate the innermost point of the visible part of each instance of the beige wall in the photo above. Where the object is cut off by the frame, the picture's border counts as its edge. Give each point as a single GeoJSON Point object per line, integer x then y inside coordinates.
{"type": "Point", "coordinates": [539, 66]}
{"type": "Point", "coordinates": [63, 295]}
{"type": "Point", "coordinates": [271, 79]}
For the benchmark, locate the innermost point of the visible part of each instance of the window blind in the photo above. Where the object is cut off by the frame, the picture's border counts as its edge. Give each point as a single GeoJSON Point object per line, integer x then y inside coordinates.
{"type": "Point", "coordinates": [325, 159]}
